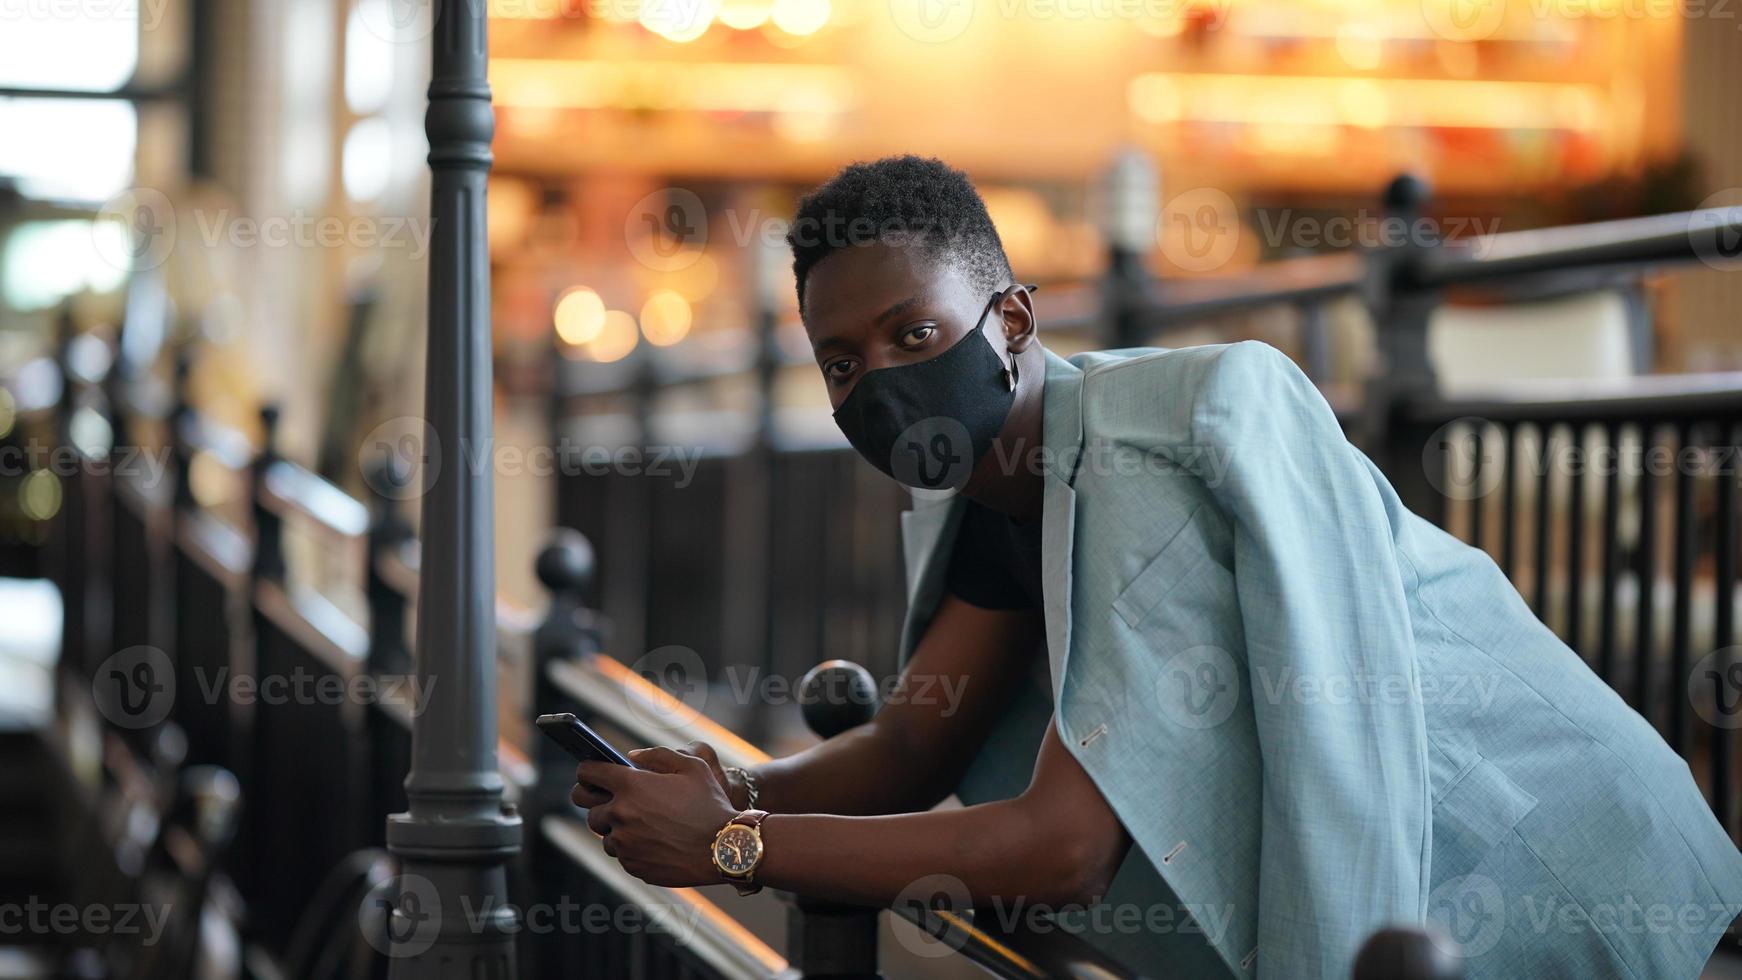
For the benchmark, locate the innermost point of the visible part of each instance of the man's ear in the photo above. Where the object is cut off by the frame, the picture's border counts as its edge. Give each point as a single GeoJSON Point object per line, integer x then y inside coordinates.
{"type": "Point", "coordinates": [1016, 309]}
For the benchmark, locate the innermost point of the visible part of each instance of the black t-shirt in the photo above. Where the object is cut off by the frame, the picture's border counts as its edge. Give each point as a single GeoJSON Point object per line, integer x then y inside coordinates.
{"type": "Point", "coordinates": [996, 561]}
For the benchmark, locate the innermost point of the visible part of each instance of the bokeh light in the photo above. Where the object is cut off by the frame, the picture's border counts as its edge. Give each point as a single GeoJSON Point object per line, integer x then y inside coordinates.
{"type": "Point", "coordinates": [665, 318]}
{"type": "Point", "coordinates": [579, 315]}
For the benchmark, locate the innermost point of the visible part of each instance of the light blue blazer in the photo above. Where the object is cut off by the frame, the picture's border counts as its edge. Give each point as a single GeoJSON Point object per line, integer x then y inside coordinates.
{"type": "Point", "coordinates": [1317, 713]}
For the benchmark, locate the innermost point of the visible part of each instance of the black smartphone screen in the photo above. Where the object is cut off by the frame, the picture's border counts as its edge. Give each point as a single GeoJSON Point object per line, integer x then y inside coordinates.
{"type": "Point", "coordinates": [581, 742]}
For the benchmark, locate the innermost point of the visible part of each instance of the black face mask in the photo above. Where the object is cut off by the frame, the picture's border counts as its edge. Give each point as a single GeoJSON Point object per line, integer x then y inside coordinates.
{"type": "Point", "coordinates": [927, 424]}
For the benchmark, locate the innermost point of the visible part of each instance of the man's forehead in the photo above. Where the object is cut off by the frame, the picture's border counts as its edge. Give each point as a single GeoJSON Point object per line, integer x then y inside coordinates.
{"type": "Point", "coordinates": [853, 286]}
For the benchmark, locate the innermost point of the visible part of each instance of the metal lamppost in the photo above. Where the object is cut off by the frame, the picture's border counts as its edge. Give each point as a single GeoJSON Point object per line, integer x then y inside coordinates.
{"type": "Point", "coordinates": [452, 917]}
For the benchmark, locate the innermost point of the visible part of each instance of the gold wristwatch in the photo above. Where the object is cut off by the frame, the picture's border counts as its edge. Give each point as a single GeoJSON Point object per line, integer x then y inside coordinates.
{"type": "Point", "coordinates": [737, 850]}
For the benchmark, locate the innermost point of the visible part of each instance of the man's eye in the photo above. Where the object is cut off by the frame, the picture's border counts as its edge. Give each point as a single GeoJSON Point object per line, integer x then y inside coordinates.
{"type": "Point", "coordinates": [918, 335]}
{"type": "Point", "coordinates": [839, 370]}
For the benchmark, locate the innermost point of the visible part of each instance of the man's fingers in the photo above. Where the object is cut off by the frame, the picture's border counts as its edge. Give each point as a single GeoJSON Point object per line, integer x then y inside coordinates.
{"type": "Point", "coordinates": [586, 797]}
{"type": "Point", "coordinates": [661, 759]}
{"type": "Point", "coordinates": [608, 776]}
{"type": "Point", "coordinates": [599, 820]}
{"type": "Point", "coordinates": [704, 752]}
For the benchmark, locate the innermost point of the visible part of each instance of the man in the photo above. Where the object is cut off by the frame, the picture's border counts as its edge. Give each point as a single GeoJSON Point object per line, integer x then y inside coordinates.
{"type": "Point", "coordinates": [1313, 712]}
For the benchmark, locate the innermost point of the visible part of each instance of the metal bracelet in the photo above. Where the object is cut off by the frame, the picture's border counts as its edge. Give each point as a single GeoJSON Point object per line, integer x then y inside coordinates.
{"type": "Point", "coordinates": [752, 792]}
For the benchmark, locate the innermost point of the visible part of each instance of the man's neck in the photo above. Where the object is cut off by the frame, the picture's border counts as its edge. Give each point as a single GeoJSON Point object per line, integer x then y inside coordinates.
{"type": "Point", "coordinates": [1011, 478]}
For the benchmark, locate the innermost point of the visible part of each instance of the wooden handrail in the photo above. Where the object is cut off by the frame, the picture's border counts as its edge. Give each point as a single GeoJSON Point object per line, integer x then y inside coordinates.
{"type": "Point", "coordinates": [699, 925]}
{"type": "Point", "coordinates": [289, 490]}
{"type": "Point", "coordinates": [1639, 399]}
{"type": "Point", "coordinates": [1662, 238]}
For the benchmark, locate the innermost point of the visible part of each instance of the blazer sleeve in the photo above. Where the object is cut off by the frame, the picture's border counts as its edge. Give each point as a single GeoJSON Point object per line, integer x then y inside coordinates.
{"type": "Point", "coordinates": [1346, 815]}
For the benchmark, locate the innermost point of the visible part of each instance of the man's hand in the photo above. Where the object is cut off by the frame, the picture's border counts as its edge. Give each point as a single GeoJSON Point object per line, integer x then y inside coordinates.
{"type": "Point", "coordinates": [659, 821]}
{"type": "Point", "coordinates": [587, 796]}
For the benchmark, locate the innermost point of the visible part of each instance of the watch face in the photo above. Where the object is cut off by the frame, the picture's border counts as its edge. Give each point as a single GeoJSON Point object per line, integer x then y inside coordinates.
{"type": "Point", "coordinates": [737, 849]}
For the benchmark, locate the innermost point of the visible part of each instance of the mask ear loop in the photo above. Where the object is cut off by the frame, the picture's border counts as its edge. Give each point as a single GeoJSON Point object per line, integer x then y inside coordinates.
{"type": "Point", "coordinates": [1011, 374]}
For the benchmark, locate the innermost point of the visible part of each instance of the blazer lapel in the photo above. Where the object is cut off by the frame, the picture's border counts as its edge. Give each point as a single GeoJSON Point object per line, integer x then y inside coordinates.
{"type": "Point", "coordinates": [1062, 434]}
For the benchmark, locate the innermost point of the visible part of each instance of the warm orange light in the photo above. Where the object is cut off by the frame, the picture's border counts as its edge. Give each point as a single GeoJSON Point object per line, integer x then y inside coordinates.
{"type": "Point", "coordinates": [1298, 101]}
{"type": "Point", "coordinates": [713, 86]}
{"type": "Point", "coordinates": [745, 15]}
{"type": "Point", "coordinates": [579, 315]}
{"type": "Point", "coordinates": [665, 318]}
{"type": "Point", "coordinates": [679, 22]}
{"type": "Point", "coordinates": [617, 337]}
{"type": "Point", "coordinates": [1360, 45]}
{"type": "Point", "coordinates": [696, 280]}
{"type": "Point", "coordinates": [800, 17]}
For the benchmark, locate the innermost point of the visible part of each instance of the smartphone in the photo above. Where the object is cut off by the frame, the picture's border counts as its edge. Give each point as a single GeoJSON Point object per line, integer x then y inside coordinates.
{"type": "Point", "coordinates": [581, 742]}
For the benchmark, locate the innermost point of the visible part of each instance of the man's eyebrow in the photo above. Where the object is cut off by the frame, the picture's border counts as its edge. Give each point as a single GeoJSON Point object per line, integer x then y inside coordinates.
{"type": "Point", "coordinates": [899, 308]}
{"type": "Point", "coordinates": [827, 344]}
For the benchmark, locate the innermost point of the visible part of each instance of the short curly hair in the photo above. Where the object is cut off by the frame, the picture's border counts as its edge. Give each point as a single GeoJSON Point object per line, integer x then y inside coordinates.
{"type": "Point", "coordinates": [900, 200]}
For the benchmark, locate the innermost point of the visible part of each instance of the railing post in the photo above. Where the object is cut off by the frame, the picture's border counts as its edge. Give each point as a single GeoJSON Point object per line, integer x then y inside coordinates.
{"type": "Point", "coordinates": [825, 939]}
{"type": "Point", "coordinates": [388, 531]}
{"type": "Point", "coordinates": [453, 917]}
{"type": "Point", "coordinates": [1400, 309]}
{"type": "Point", "coordinates": [268, 526]}
{"type": "Point", "coordinates": [1130, 203]}
{"type": "Point", "coordinates": [181, 419]}
{"type": "Point", "coordinates": [568, 631]}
